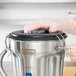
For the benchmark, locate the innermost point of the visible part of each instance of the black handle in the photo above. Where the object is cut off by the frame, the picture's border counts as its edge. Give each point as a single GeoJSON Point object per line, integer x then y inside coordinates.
{"type": "Point", "coordinates": [40, 31]}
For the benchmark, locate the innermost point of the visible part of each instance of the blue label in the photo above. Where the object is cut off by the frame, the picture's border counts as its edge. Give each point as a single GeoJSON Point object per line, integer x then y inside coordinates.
{"type": "Point", "coordinates": [28, 74]}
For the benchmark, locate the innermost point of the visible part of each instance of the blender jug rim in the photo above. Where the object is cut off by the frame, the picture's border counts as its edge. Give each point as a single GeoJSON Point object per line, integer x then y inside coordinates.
{"type": "Point", "coordinates": [20, 35]}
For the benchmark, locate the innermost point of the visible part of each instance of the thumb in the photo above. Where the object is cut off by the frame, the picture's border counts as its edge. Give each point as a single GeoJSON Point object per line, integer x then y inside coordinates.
{"type": "Point", "coordinates": [71, 50]}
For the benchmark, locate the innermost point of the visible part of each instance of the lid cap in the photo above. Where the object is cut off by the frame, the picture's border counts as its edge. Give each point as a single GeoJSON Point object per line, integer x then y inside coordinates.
{"type": "Point", "coordinates": [42, 36]}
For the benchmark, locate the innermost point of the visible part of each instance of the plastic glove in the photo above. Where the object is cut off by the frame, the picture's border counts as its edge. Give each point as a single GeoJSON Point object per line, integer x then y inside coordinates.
{"type": "Point", "coordinates": [36, 25]}
{"type": "Point", "coordinates": [65, 25]}
{"type": "Point", "coordinates": [72, 52]}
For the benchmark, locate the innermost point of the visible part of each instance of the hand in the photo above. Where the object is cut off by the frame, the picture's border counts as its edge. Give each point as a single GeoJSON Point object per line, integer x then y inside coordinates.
{"type": "Point", "coordinates": [36, 25]}
{"type": "Point", "coordinates": [72, 52]}
{"type": "Point", "coordinates": [64, 25]}
{"type": "Point", "coordinates": [52, 25]}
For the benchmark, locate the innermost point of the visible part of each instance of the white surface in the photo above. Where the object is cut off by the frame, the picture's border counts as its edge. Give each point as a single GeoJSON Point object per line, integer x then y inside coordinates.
{"type": "Point", "coordinates": [35, 11]}
{"type": "Point", "coordinates": [8, 68]}
{"type": "Point", "coordinates": [16, 21]}
{"type": "Point", "coordinates": [36, 1]}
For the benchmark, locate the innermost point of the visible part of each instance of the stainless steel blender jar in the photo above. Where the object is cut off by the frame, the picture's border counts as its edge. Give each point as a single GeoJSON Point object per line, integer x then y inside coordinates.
{"type": "Point", "coordinates": [39, 53]}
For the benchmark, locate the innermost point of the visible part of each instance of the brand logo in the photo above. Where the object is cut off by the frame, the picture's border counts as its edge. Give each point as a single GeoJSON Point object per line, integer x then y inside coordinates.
{"type": "Point", "coordinates": [28, 74]}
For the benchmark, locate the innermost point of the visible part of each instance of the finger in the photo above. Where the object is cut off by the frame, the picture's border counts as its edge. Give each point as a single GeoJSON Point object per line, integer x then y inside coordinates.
{"type": "Point", "coordinates": [27, 32]}
{"type": "Point", "coordinates": [73, 46]}
{"type": "Point", "coordinates": [38, 27]}
{"type": "Point", "coordinates": [34, 27]}
{"type": "Point", "coordinates": [73, 58]}
{"type": "Point", "coordinates": [72, 53]}
{"type": "Point", "coordinates": [71, 49]}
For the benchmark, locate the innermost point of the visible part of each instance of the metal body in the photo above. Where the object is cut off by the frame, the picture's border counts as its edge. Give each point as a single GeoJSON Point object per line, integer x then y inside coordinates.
{"type": "Point", "coordinates": [36, 58]}
{"type": "Point", "coordinates": [1, 58]}
{"type": "Point", "coordinates": [39, 54]}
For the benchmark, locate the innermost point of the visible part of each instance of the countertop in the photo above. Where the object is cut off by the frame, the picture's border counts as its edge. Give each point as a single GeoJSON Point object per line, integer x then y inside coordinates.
{"type": "Point", "coordinates": [69, 69]}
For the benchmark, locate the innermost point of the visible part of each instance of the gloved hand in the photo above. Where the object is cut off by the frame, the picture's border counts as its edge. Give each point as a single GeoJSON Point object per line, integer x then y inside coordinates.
{"type": "Point", "coordinates": [36, 25]}
{"type": "Point", "coordinates": [72, 52]}
{"type": "Point", "coordinates": [65, 25]}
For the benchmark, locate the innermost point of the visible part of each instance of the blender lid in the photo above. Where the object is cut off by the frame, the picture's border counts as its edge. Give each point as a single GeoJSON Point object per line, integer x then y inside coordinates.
{"type": "Point", "coordinates": [37, 35]}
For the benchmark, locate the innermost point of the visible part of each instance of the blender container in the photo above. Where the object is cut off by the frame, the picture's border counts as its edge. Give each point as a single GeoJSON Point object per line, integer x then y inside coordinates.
{"type": "Point", "coordinates": [39, 53]}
